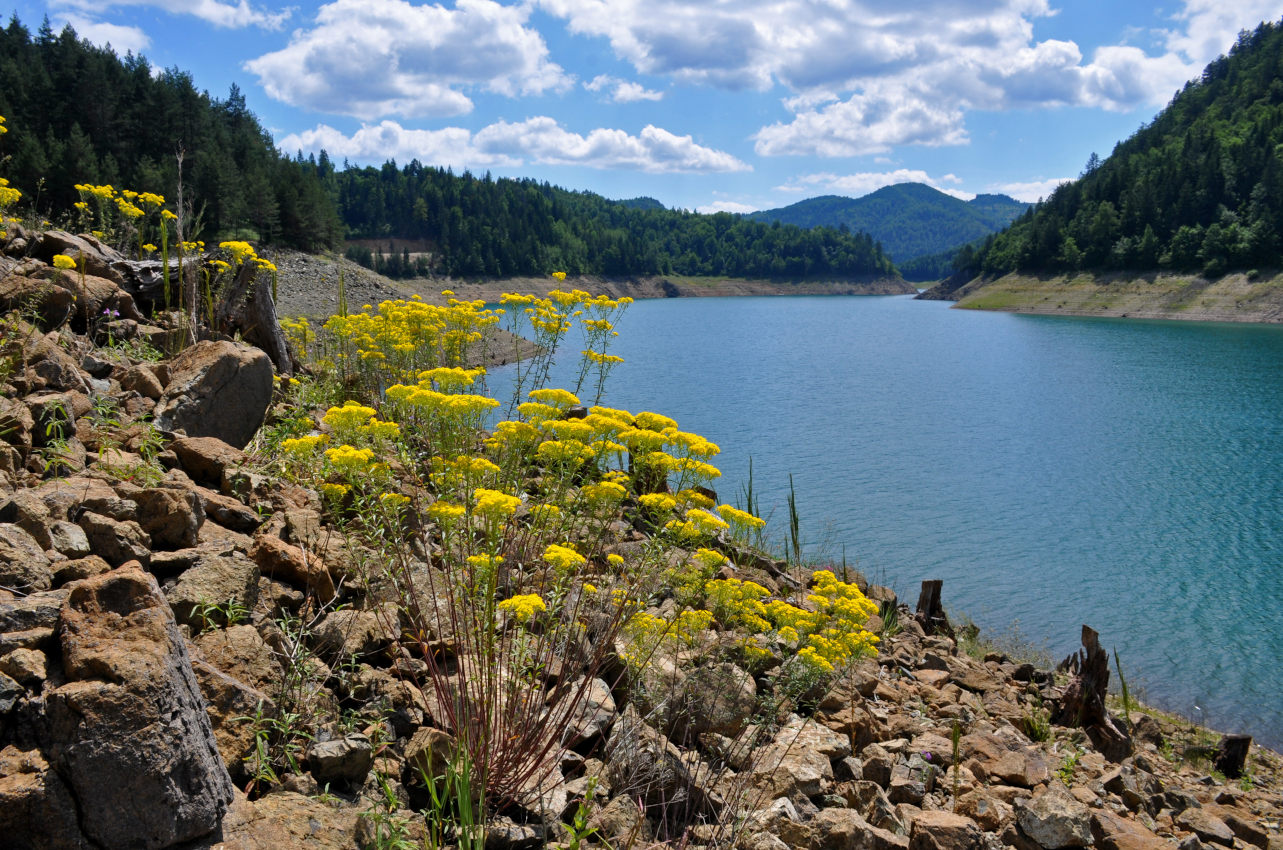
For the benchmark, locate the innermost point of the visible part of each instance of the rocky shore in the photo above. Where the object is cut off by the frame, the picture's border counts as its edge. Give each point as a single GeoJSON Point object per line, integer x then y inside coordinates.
{"type": "Point", "coordinates": [169, 607]}
{"type": "Point", "coordinates": [1240, 297]}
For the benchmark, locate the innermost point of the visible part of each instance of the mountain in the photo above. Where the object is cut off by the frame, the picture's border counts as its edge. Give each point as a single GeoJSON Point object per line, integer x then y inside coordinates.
{"type": "Point", "coordinates": [1199, 189]}
{"type": "Point", "coordinates": [910, 220]}
{"type": "Point", "coordinates": [77, 113]}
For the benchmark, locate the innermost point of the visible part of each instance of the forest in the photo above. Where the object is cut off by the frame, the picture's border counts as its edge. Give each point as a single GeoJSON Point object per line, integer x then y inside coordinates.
{"type": "Point", "coordinates": [79, 113]}
{"type": "Point", "coordinates": [1198, 189]}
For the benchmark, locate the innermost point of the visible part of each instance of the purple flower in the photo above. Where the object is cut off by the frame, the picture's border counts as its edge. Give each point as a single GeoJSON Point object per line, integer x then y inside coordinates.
{"type": "Point", "coordinates": [926, 755]}
{"type": "Point", "coordinates": [115, 314]}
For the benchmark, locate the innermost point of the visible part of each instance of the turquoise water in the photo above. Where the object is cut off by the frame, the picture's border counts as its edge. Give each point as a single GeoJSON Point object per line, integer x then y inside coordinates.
{"type": "Point", "coordinates": [1052, 471]}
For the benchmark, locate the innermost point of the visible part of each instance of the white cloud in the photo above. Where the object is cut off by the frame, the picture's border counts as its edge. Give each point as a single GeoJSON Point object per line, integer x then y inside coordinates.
{"type": "Point", "coordinates": [121, 38]}
{"type": "Point", "coordinates": [1031, 191]}
{"type": "Point", "coordinates": [864, 77]}
{"type": "Point", "coordinates": [864, 182]}
{"type": "Point", "coordinates": [726, 206]}
{"type": "Point", "coordinates": [502, 144]}
{"type": "Point", "coordinates": [623, 91]}
{"type": "Point", "coordinates": [217, 12]}
{"type": "Point", "coordinates": [372, 58]}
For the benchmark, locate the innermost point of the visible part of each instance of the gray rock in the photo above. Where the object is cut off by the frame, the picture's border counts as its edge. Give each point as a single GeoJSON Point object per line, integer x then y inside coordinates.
{"type": "Point", "coordinates": [345, 760]}
{"type": "Point", "coordinates": [69, 539]}
{"type": "Point", "coordinates": [128, 731]}
{"type": "Point", "coordinates": [23, 564]}
{"type": "Point", "coordinates": [1054, 819]}
{"type": "Point", "coordinates": [217, 389]}
{"type": "Point", "coordinates": [216, 579]}
{"type": "Point", "coordinates": [114, 541]}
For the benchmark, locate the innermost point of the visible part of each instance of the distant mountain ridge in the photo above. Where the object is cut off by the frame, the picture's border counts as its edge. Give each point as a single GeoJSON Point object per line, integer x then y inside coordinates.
{"type": "Point", "coordinates": [911, 220]}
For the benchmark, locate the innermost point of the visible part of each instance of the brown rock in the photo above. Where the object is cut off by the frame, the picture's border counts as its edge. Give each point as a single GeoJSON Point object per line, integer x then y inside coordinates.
{"type": "Point", "coordinates": [358, 633]}
{"type": "Point", "coordinates": [986, 810]}
{"type": "Point", "coordinates": [1114, 832]}
{"type": "Point", "coordinates": [50, 301]}
{"type": "Point", "coordinates": [838, 829]}
{"type": "Point", "coordinates": [232, 707]}
{"type": "Point", "coordinates": [280, 560]}
{"type": "Point", "coordinates": [171, 516]}
{"type": "Point", "coordinates": [16, 423]}
{"type": "Point", "coordinates": [217, 389]}
{"type": "Point", "coordinates": [242, 653]}
{"type": "Point", "coordinates": [429, 751]}
{"type": "Point", "coordinates": [76, 569]}
{"type": "Point", "coordinates": [937, 830]}
{"type": "Point", "coordinates": [228, 512]}
{"type": "Point", "coordinates": [128, 732]}
{"type": "Point", "coordinates": [142, 380]}
{"type": "Point", "coordinates": [1054, 819]}
{"type": "Point", "coordinates": [716, 698]}
{"type": "Point", "coordinates": [116, 542]}
{"type": "Point", "coordinates": [206, 458]}
{"type": "Point", "coordinates": [216, 579]}
{"type": "Point", "coordinates": [25, 666]}
{"type": "Point", "coordinates": [37, 811]}
{"type": "Point", "coordinates": [286, 819]}
{"type": "Point", "coordinates": [1206, 825]}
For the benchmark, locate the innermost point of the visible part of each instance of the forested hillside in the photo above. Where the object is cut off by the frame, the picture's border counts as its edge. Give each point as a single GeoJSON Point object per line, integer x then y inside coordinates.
{"type": "Point", "coordinates": [482, 226]}
{"type": "Point", "coordinates": [910, 220]}
{"type": "Point", "coordinates": [79, 114]}
{"type": "Point", "coordinates": [1199, 189]}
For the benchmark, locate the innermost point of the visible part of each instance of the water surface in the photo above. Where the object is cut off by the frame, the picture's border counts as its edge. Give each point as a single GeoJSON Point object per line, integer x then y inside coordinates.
{"type": "Point", "coordinates": [1052, 471]}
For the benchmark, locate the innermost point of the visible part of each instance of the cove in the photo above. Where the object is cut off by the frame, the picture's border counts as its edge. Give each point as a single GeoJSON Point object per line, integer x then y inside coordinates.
{"type": "Point", "coordinates": [1052, 471]}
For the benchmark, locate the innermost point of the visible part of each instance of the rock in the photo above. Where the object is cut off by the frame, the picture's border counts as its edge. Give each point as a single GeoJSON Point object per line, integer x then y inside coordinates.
{"type": "Point", "coordinates": [58, 369]}
{"type": "Point", "coordinates": [78, 568]}
{"type": "Point", "coordinates": [128, 731]}
{"type": "Point", "coordinates": [717, 698]}
{"type": "Point", "coordinates": [798, 761]}
{"type": "Point", "coordinates": [937, 830]}
{"type": "Point", "coordinates": [287, 820]}
{"type": "Point", "coordinates": [116, 542]}
{"type": "Point", "coordinates": [23, 563]}
{"type": "Point", "coordinates": [1114, 832]}
{"type": "Point", "coordinates": [172, 517]}
{"type": "Point", "coordinates": [358, 633]}
{"type": "Point", "coordinates": [68, 539]}
{"type": "Point", "coordinates": [216, 579]}
{"type": "Point", "coordinates": [233, 708]}
{"type": "Point", "coordinates": [1053, 819]}
{"type": "Point", "coordinates": [142, 380]}
{"type": "Point", "coordinates": [643, 764]}
{"type": "Point", "coordinates": [96, 258]}
{"type": "Point", "coordinates": [241, 652]}
{"type": "Point", "coordinates": [217, 389]}
{"type": "Point", "coordinates": [16, 423]}
{"type": "Point", "coordinates": [228, 512]}
{"type": "Point", "coordinates": [278, 559]}
{"type": "Point", "coordinates": [878, 765]}
{"type": "Point", "coordinates": [25, 666]}
{"type": "Point", "coordinates": [838, 829]}
{"type": "Point", "coordinates": [989, 813]}
{"type": "Point", "coordinates": [592, 715]}
{"type": "Point", "coordinates": [50, 301]}
{"type": "Point", "coordinates": [37, 811]}
{"type": "Point", "coordinates": [429, 751]}
{"type": "Point", "coordinates": [346, 760]}
{"type": "Point", "coordinates": [618, 820]}
{"type": "Point", "coordinates": [205, 459]}
{"type": "Point", "coordinates": [1206, 825]}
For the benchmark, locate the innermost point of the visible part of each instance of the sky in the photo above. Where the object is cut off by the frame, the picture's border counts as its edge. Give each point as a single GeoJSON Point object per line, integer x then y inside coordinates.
{"type": "Point", "coordinates": [711, 105]}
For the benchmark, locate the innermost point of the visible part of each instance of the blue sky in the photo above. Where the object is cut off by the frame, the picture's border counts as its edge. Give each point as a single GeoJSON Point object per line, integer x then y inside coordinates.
{"type": "Point", "coordinates": [717, 104]}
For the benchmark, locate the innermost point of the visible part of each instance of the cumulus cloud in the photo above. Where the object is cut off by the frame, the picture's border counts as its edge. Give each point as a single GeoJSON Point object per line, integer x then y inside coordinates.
{"type": "Point", "coordinates": [864, 182]}
{"type": "Point", "coordinates": [373, 58]}
{"type": "Point", "coordinates": [726, 206]}
{"type": "Point", "coordinates": [867, 76]}
{"type": "Point", "coordinates": [121, 38]}
{"type": "Point", "coordinates": [502, 144]}
{"type": "Point", "coordinates": [217, 12]}
{"type": "Point", "coordinates": [1031, 191]}
{"type": "Point", "coordinates": [622, 91]}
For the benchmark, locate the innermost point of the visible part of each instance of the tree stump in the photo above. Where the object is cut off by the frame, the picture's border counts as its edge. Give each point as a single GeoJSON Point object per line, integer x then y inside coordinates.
{"type": "Point", "coordinates": [1230, 755]}
{"type": "Point", "coordinates": [249, 310]}
{"type": "Point", "coordinates": [1082, 704]}
{"type": "Point", "coordinates": [930, 614]}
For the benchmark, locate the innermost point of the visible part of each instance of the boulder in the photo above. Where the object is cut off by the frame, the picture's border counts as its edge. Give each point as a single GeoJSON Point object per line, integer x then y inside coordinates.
{"type": "Point", "coordinates": [216, 579]}
{"type": "Point", "coordinates": [171, 516]}
{"type": "Point", "coordinates": [50, 301]}
{"type": "Point", "coordinates": [345, 760]}
{"type": "Point", "coordinates": [716, 698]}
{"type": "Point", "coordinates": [37, 811]}
{"type": "Point", "coordinates": [16, 423]}
{"type": "Point", "coordinates": [128, 731]}
{"type": "Point", "coordinates": [349, 633]}
{"type": "Point", "coordinates": [217, 389]}
{"type": "Point", "coordinates": [114, 541]}
{"type": "Point", "coordinates": [142, 380]}
{"type": "Point", "coordinates": [937, 830]}
{"type": "Point", "coordinates": [23, 563]}
{"type": "Point", "coordinates": [288, 819]}
{"type": "Point", "coordinates": [280, 560]}
{"type": "Point", "coordinates": [1053, 819]}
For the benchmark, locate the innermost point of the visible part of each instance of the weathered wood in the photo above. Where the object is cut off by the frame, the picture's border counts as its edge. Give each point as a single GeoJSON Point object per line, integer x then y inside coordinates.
{"type": "Point", "coordinates": [1231, 754]}
{"type": "Point", "coordinates": [248, 309]}
{"type": "Point", "coordinates": [930, 613]}
{"type": "Point", "coordinates": [1082, 703]}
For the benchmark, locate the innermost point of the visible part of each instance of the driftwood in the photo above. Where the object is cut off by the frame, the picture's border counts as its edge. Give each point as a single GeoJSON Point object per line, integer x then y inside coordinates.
{"type": "Point", "coordinates": [1082, 703]}
{"type": "Point", "coordinates": [248, 309]}
{"type": "Point", "coordinates": [930, 614]}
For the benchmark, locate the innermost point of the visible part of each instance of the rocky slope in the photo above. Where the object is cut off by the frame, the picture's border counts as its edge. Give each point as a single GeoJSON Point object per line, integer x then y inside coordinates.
{"type": "Point", "coordinates": [1233, 298]}
{"type": "Point", "coordinates": [170, 609]}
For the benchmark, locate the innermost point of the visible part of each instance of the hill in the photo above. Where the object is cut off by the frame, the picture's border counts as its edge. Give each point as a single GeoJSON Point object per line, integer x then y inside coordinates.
{"type": "Point", "coordinates": [910, 220]}
{"type": "Point", "coordinates": [1199, 189]}
{"type": "Point", "coordinates": [81, 114]}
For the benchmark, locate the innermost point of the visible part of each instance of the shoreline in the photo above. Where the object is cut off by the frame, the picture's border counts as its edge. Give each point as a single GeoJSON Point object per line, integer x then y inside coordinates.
{"type": "Point", "coordinates": [1180, 297]}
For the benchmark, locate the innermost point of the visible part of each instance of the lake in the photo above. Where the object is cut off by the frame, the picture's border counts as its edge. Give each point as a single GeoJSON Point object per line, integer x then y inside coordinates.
{"type": "Point", "coordinates": [1052, 471]}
